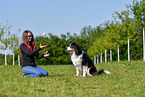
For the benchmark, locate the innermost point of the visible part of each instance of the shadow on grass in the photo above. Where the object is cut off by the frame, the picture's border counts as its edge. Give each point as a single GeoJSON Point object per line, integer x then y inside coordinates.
{"type": "Point", "coordinates": [56, 75]}
{"type": "Point", "coordinates": [40, 90]}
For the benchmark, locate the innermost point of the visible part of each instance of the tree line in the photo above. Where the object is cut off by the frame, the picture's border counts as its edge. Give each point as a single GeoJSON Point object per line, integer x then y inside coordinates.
{"type": "Point", "coordinates": [127, 24]}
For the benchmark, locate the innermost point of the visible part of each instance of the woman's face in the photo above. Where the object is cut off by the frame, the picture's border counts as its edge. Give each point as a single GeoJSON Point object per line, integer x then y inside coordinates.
{"type": "Point", "coordinates": [29, 37]}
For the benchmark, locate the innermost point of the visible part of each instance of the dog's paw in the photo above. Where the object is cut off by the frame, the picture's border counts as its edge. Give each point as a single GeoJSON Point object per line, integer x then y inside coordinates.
{"type": "Point", "coordinates": [89, 75]}
{"type": "Point", "coordinates": [84, 75]}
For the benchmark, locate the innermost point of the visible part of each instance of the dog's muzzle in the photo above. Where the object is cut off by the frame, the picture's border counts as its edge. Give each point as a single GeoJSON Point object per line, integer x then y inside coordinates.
{"type": "Point", "coordinates": [69, 50]}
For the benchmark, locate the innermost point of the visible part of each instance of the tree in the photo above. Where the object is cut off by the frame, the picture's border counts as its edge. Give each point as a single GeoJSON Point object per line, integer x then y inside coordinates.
{"type": "Point", "coordinates": [130, 26]}
{"type": "Point", "coordinates": [7, 39]}
{"type": "Point", "coordinates": [56, 47]}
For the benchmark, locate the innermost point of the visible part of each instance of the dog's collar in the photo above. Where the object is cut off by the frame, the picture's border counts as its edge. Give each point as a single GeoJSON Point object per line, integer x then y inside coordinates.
{"type": "Point", "coordinates": [83, 52]}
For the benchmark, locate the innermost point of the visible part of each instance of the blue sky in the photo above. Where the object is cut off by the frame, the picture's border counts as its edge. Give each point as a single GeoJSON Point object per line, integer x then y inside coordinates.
{"type": "Point", "coordinates": [57, 16]}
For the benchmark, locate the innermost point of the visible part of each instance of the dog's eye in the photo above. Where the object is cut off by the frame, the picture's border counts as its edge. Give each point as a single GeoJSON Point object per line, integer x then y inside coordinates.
{"type": "Point", "coordinates": [71, 47]}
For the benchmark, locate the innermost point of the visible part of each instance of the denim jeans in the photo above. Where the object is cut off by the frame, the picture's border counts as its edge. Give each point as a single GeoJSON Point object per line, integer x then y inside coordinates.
{"type": "Point", "coordinates": [34, 71]}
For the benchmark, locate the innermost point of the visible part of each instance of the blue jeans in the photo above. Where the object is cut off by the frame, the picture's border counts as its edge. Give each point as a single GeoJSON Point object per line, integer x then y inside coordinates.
{"type": "Point", "coordinates": [34, 71]}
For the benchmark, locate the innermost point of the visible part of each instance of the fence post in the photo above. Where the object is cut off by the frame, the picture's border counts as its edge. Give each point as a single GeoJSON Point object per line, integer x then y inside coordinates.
{"type": "Point", "coordinates": [143, 46]}
{"type": "Point", "coordinates": [18, 60]}
{"type": "Point", "coordinates": [97, 59]}
{"type": "Point", "coordinates": [13, 59]}
{"type": "Point", "coordinates": [101, 58]}
{"type": "Point", "coordinates": [110, 55]}
{"type": "Point", "coordinates": [118, 52]}
{"type": "Point", "coordinates": [128, 51]}
{"type": "Point", "coordinates": [105, 56]}
{"type": "Point", "coordinates": [5, 58]}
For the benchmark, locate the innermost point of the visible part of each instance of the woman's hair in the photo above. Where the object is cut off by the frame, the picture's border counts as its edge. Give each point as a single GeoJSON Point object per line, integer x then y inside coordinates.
{"type": "Point", "coordinates": [25, 37]}
{"type": "Point", "coordinates": [30, 45]}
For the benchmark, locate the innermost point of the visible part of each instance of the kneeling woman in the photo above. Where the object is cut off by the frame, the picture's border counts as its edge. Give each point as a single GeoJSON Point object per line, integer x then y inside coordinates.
{"type": "Point", "coordinates": [28, 51]}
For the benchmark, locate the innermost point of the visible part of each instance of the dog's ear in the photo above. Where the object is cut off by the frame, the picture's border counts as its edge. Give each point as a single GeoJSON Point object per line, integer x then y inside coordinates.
{"type": "Point", "coordinates": [76, 50]}
{"type": "Point", "coordinates": [71, 43]}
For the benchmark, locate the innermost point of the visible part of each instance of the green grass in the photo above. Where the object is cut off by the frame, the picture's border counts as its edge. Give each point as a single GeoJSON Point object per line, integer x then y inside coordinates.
{"type": "Point", "coordinates": [127, 80]}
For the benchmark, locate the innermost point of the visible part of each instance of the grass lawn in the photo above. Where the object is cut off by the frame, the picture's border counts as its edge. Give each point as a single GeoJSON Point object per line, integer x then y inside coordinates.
{"type": "Point", "coordinates": [127, 80]}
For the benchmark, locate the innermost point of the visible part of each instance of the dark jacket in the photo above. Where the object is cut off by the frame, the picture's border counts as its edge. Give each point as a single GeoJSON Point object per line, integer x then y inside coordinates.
{"type": "Point", "coordinates": [28, 56]}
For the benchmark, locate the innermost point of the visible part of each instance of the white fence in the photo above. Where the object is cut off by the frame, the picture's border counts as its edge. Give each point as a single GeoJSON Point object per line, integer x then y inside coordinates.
{"type": "Point", "coordinates": [110, 56]}
{"type": "Point", "coordinates": [97, 55]}
{"type": "Point", "coordinates": [13, 59]}
{"type": "Point", "coordinates": [118, 52]}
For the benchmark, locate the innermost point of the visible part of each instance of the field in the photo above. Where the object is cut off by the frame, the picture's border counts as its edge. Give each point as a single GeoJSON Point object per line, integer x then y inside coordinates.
{"type": "Point", "coordinates": [127, 80]}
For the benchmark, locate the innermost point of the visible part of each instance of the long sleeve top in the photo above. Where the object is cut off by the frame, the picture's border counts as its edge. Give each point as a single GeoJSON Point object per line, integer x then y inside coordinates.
{"type": "Point", "coordinates": [28, 56]}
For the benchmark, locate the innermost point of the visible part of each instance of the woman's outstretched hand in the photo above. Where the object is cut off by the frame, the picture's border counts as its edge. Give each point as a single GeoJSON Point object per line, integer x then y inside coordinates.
{"type": "Point", "coordinates": [42, 46]}
{"type": "Point", "coordinates": [46, 54]}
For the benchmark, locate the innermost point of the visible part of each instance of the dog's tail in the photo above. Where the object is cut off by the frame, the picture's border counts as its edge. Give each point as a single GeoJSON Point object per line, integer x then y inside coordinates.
{"type": "Point", "coordinates": [103, 72]}
{"type": "Point", "coordinates": [93, 72]}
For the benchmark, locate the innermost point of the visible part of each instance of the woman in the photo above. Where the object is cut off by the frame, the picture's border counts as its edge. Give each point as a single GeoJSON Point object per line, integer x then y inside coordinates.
{"type": "Point", "coordinates": [28, 51]}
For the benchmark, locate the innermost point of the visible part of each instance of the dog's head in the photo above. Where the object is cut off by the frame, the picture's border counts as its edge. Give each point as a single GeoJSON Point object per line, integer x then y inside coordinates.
{"type": "Point", "coordinates": [74, 48]}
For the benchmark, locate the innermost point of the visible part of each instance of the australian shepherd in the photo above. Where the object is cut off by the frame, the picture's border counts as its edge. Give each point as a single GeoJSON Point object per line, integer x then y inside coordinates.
{"type": "Point", "coordinates": [84, 65]}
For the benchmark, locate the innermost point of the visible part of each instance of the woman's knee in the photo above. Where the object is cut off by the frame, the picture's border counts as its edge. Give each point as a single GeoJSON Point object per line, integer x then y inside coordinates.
{"type": "Point", "coordinates": [38, 74]}
{"type": "Point", "coordinates": [43, 71]}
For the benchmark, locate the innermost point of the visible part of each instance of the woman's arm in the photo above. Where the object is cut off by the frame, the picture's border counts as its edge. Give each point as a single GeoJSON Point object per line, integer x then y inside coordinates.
{"type": "Point", "coordinates": [39, 56]}
{"type": "Point", "coordinates": [44, 55]}
{"type": "Point", "coordinates": [24, 48]}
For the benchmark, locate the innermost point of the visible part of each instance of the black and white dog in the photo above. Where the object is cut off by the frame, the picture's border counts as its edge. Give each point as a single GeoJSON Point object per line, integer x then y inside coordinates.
{"type": "Point", "coordinates": [82, 61]}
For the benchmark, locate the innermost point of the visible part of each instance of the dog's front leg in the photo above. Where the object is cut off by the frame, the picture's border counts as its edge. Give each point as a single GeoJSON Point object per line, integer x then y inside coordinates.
{"type": "Point", "coordinates": [85, 70]}
{"type": "Point", "coordinates": [79, 71]}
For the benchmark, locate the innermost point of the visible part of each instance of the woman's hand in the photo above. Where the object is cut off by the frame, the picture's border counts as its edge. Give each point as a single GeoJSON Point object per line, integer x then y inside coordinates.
{"type": "Point", "coordinates": [46, 54]}
{"type": "Point", "coordinates": [42, 46]}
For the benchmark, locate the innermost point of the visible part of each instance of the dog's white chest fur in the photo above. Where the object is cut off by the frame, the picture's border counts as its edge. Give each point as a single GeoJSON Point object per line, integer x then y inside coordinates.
{"type": "Point", "coordinates": [77, 60]}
